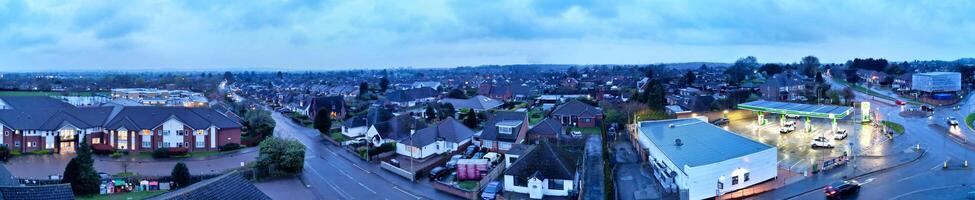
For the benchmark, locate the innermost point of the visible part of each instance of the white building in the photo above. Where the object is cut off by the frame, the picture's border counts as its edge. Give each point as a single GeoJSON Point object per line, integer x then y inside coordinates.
{"type": "Point", "coordinates": [702, 160]}
{"type": "Point", "coordinates": [447, 136]}
{"type": "Point", "coordinates": [933, 82]}
{"type": "Point", "coordinates": [544, 171]}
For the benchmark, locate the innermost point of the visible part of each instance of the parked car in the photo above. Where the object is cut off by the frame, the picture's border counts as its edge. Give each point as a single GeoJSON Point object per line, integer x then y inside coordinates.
{"type": "Point", "coordinates": [839, 189]}
{"type": "Point", "coordinates": [452, 163]}
{"type": "Point", "coordinates": [470, 151]}
{"type": "Point", "coordinates": [394, 162]}
{"type": "Point", "coordinates": [491, 191]}
{"type": "Point", "coordinates": [927, 108]}
{"type": "Point", "coordinates": [720, 121]}
{"type": "Point", "coordinates": [952, 121]}
{"type": "Point", "coordinates": [840, 134]}
{"type": "Point", "coordinates": [355, 141]}
{"type": "Point", "coordinates": [477, 155]}
{"type": "Point", "coordinates": [787, 128]}
{"type": "Point", "coordinates": [492, 157]}
{"type": "Point", "coordinates": [899, 102]}
{"type": "Point", "coordinates": [821, 142]}
{"type": "Point", "coordinates": [437, 172]}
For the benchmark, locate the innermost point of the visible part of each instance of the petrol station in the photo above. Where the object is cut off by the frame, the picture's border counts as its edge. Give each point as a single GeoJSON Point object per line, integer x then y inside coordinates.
{"type": "Point", "coordinates": [762, 107]}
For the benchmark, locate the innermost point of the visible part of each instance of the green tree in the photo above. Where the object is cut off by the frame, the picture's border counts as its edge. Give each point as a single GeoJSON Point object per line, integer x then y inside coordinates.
{"type": "Point", "coordinates": [654, 95]}
{"type": "Point", "coordinates": [80, 171]}
{"type": "Point", "coordinates": [689, 78]}
{"type": "Point", "coordinates": [771, 69]}
{"type": "Point", "coordinates": [279, 155]}
{"type": "Point", "coordinates": [447, 110]}
{"type": "Point", "coordinates": [456, 94]}
{"type": "Point", "coordinates": [323, 121]}
{"type": "Point", "coordinates": [430, 113]}
{"type": "Point", "coordinates": [809, 66]}
{"type": "Point", "coordinates": [181, 175]}
{"type": "Point", "coordinates": [4, 153]}
{"type": "Point", "coordinates": [470, 120]}
{"type": "Point", "coordinates": [363, 90]}
{"type": "Point", "coordinates": [740, 70]}
{"type": "Point", "coordinates": [383, 84]}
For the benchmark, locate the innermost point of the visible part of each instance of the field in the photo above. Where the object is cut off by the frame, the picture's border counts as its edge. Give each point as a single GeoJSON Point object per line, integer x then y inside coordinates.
{"type": "Point", "coordinates": [50, 93]}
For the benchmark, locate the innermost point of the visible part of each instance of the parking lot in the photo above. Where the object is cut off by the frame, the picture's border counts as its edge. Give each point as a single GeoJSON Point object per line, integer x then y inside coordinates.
{"type": "Point", "coordinates": [795, 151]}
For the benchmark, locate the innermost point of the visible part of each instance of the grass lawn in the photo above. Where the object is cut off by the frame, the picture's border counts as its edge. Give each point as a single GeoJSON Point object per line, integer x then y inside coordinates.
{"type": "Point", "coordinates": [467, 185]}
{"type": "Point", "coordinates": [130, 195]}
{"type": "Point", "coordinates": [586, 131]}
{"type": "Point", "coordinates": [535, 116]}
{"type": "Point", "coordinates": [49, 93]}
{"type": "Point", "coordinates": [969, 119]}
{"type": "Point", "coordinates": [897, 128]}
{"type": "Point", "coordinates": [337, 136]}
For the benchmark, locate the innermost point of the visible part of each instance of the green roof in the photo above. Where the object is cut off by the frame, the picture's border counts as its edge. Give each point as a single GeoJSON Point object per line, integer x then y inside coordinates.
{"type": "Point", "coordinates": [806, 110]}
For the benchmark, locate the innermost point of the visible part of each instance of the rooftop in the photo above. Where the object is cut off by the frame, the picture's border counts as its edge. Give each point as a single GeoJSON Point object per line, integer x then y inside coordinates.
{"type": "Point", "coordinates": [702, 142]}
{"type": "Point", "coordinates": [809, 110]}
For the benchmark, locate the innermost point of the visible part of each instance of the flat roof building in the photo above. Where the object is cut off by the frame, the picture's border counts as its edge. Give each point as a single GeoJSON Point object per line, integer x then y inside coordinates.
{"type": "Point", "coordinates": [701, 160]}
{"type": "Point", "coordinates": [934, 82]}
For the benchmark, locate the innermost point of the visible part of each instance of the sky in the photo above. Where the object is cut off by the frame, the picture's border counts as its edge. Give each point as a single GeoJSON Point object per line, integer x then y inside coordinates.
{"type": "Point", "coordinates": [40, 35]}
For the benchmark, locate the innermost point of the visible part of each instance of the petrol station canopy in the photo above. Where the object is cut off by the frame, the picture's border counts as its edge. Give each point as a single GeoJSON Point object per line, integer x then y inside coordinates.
{"type": "Point", "coordinates": [798, 109]}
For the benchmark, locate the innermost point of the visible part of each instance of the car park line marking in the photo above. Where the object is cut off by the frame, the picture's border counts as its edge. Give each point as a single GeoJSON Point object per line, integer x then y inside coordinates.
{"type": "Point", "coordinates": [407, 193]}
{"type": "Point", "coordinates": [909, 177]}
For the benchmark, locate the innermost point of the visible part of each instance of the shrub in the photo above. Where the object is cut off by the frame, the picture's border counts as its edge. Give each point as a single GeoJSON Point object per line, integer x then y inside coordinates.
{"type": "Point", "coordinates": [102, 149]}
{"type": "Point", "coordinates": [40, 152]}
{"type": "Point", "coordinates": [230, 147]}
{"type": "Point", "coordinates": [178, 151]}
{"type": "Point", "coordinates": [181, 175]}
{"type": "Point", "coordinates": [4, 153]}
{"type": "Point", "coordinates": [161, 153]}
{"type": "Point", "coordinates": [382, 149]}
{"type": "Point", "coordinates": [116, 155]}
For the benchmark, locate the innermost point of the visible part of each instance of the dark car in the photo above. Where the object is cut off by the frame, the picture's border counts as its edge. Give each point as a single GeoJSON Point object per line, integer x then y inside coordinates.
{"type": "Point", "coordinates": [437, 172]}
{"type": "Point", "coordinates": [720, 121]}
{"type": "Point", "coordinates": [491, 191]}
{"type": "Point", "coordinates": [470, 151]}
{"type": "Point", "coordinates": [839, 189]}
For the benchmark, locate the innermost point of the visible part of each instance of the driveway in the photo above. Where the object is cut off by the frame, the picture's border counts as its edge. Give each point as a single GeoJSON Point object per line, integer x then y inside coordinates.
{"type": "Point", "coordinates": [633, 180]}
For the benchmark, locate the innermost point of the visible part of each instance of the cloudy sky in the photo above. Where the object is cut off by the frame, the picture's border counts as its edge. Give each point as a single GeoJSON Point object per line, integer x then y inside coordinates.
{"type": "Point", "coordinates": [327, 35]}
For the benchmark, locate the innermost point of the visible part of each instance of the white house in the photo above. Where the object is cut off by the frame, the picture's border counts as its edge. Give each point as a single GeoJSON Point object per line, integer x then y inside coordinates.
{"type": "Point", "coordinates": [392, 130]}
{"type": "Point", "coordinates": [544, 171]}
{"type": "Point", "coordinates": [701, 160]}
{"type": "Point", "coordinates": [447, 136]}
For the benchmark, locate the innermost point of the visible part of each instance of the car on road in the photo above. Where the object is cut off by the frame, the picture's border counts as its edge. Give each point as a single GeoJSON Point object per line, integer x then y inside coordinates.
{"type": "Point", "coordinates": [437, 172]}
{"type": "Point", "coordinates": [840, 134]}
{"type": "Point", "coordinates": [839, 189]}
{"type": "Point", "coordinates": [491, 191]}
{"type": "Point", "coordinates": [821, 142]}
{"type": "Point", "coordinates": [720, 121]}
{"type": "Point", "coordinates": [787, 128]}
{"type": "Point", "coordinates": [899, 102]}
{"type": "Point", "coordinates": [952, 121]}
{"type": "Point", "coordinates": [927, 108]}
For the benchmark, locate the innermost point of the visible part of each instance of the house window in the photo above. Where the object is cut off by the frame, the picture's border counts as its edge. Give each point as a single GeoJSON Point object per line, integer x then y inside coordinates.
{"type": "Point", "coordinates": [123, 135]}
{"type": "Point", "coordinates": [179, 132]}
{"type": "Point", "coordinates": [146, 144]}
{"type": "Point", "coordinates": [746, 176]}
{"type": "Point", "coordinates": [165, 144]}
{"type": "Point", "coordinates": [123, 145]}
{"type": "Point", "coordinates": [505, 129]}
{"type": "Point", "coordinates": [31, 144]}
{"type": "Point", "coordinates": [179, 144]}
{"type": "Point", "coordinates": [17, 143]}
{"type": "Point", "coordinates": [96, 140]}
{"type": "Point", "coordinates": [165, 132]}
{"type": "Point", "coordinates": [200, 132]}
{"type": "Point", "coordinates": [734, 180]}
{"type": "Point", "coordinates": [146, 132]}
{"type": "Point", "coordinates": [199, 144]}
{"type": "Point", "coordinates": [720, 185]}
{"type": "Point", "coordinates": [555, 184]}
{"type": "Point", "coordinates": [587, 119]}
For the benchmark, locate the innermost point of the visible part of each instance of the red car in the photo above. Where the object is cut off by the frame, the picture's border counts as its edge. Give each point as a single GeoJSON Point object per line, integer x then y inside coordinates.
{"type": "Point", "coordinates": [899, 102]}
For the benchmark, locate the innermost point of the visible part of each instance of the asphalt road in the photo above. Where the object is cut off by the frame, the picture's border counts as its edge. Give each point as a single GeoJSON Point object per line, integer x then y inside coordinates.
{"type": "Point", "coordinates": [924, 178]}
{"type": "Point", "coordinates": [334, 173]}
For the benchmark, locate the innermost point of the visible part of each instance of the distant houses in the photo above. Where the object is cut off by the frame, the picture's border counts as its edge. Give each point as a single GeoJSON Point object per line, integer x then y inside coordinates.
{"type": "Point", "coordinates": [477, 103]}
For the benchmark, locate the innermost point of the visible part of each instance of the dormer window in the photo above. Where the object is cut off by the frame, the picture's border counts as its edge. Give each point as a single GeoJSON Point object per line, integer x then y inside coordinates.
{"type": "Point", "coordinates": [505, 129]}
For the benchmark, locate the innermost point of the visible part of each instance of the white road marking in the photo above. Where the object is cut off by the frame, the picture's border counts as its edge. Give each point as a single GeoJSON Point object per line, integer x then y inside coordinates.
{"type": "Point", "coordinates": [407, 193]}
{"type": "Point", "coordinates": [329, 183]}
{"type": "Point", "coordinates": [363, 169]}
{"type": "Point", "coordinates": [909, 177]}
{"type": "Point", "coordinates": [367, 188]}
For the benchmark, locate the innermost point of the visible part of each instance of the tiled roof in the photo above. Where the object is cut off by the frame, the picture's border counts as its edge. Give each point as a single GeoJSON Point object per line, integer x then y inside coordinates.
{"type": "Point", "coordinates": [545, 160]}
{"type": "Point", "coordinates": [449, 130]}
{"type": "Point", "coordinates": [490, 131]}
{"type": "Point", "coordinates": [576, 107]}
{"type": "Point", "coordinates": [52, 116]}
{"type": "Point", "coordinates": [228, 186]}
{"type": "Point", "coordinates": [548, 127]}
{"type": "Point", "coordinates": [43, 192]}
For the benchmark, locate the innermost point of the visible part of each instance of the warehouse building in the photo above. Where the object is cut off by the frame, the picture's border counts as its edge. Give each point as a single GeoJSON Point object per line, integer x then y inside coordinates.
{"type": "Point", "coordinates": [701, 160]}
{"type": "Point", "coordinates": [937, 85]}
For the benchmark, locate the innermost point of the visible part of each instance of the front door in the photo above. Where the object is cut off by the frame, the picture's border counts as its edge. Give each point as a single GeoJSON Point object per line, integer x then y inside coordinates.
{"type": "Point", "coordinates": [67, 147]}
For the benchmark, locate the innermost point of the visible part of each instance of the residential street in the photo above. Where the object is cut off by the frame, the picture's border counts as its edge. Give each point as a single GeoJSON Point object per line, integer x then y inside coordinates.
{"type": "Point", "coordinates": [334, 173]}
